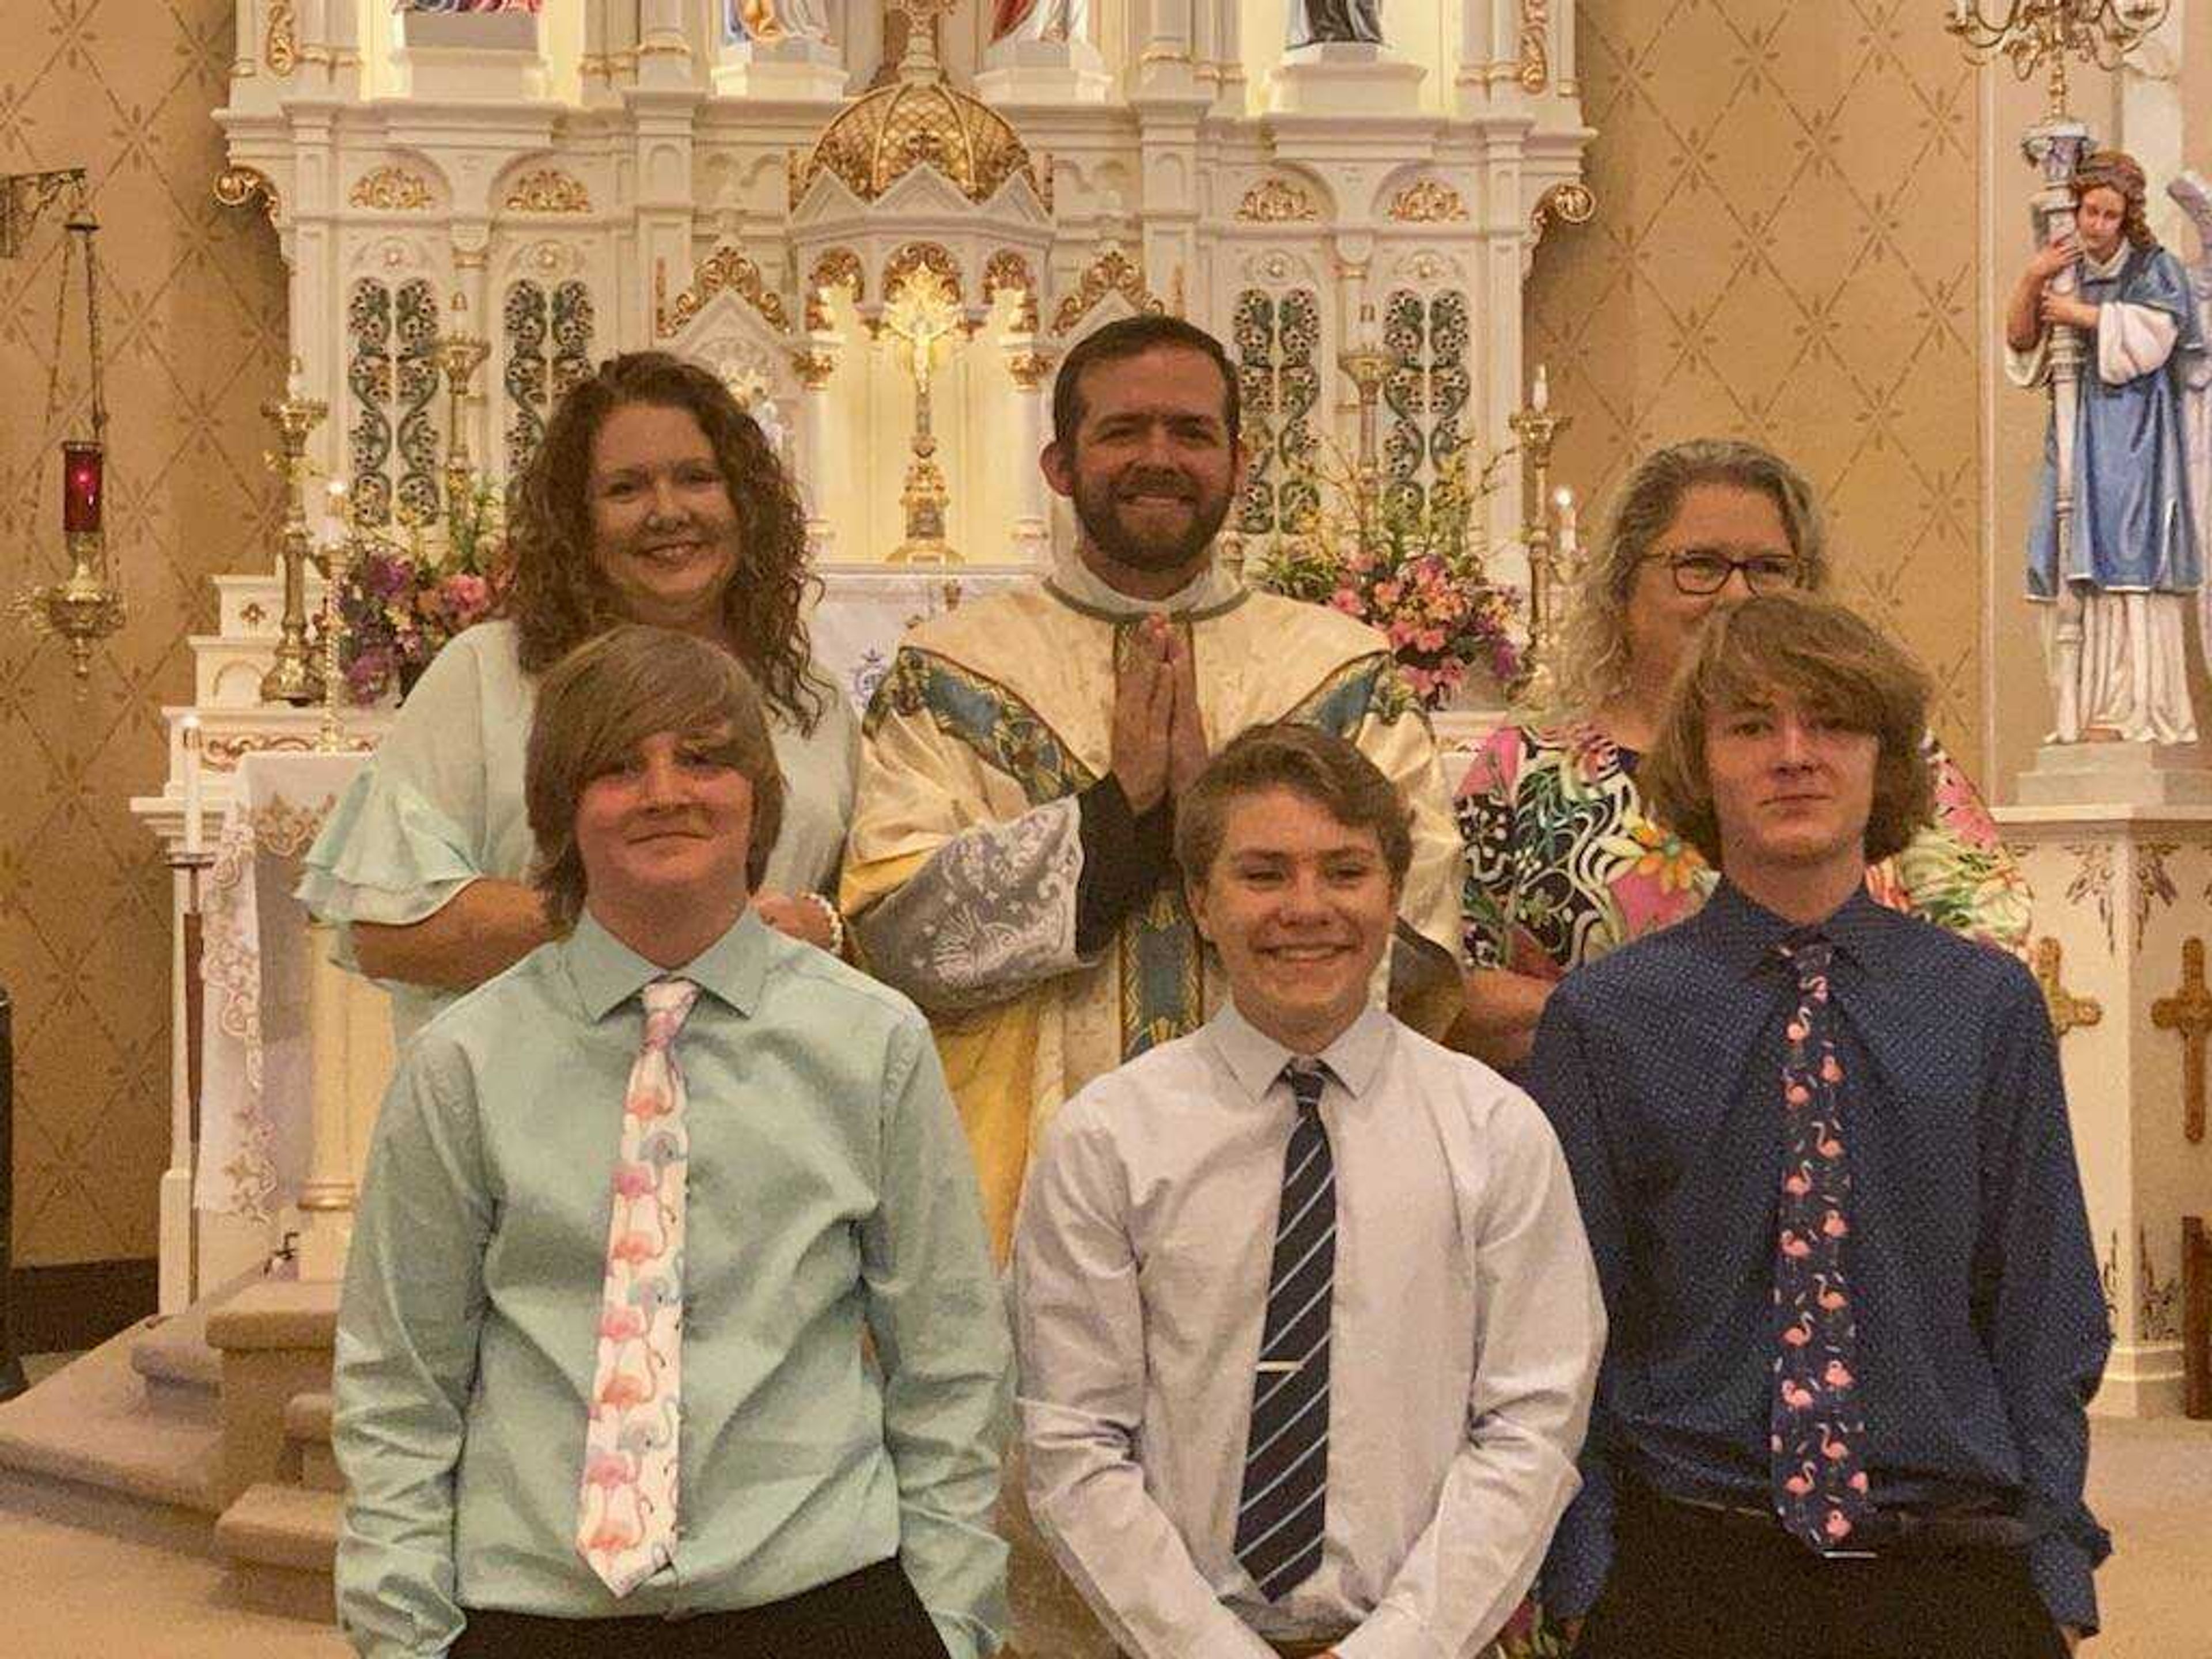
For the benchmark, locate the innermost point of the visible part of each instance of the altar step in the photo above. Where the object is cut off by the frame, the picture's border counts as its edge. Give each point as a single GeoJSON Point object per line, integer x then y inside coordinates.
{"type": "Point", "coordinates": [279, 1525]}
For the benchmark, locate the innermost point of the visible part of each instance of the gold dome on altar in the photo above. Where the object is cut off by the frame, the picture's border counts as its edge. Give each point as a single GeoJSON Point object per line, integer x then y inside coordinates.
{"type": "Point", "coordinates": [877, 141]}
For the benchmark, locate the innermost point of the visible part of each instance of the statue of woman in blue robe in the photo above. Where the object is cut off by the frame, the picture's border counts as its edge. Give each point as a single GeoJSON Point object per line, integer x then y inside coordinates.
{"type": "Point", "coordinates": [2134, 558]}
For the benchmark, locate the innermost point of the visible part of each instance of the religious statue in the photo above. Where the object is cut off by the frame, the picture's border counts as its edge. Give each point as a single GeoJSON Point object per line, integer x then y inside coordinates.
{"type": "Point", "coordinates": [1313, 22]}
{"type": "Point", "coordinates": [2194, 194]}
{"type": "Point", "coordinates": [1041, 19]}
{"type": "Point", "coordinates": [2116, 574]}
{"type": "Point", "coordinates": [767, 20]}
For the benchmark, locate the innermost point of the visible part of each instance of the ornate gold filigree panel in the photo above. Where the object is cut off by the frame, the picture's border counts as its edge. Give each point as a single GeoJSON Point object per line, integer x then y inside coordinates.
{"type": "Point", "coordinates": [725, 267]}
{"type": "Point", "coordinates": [1535, 72]}
{"type": "Point", "coordinates": [839, 268]}
{"type": "Point", "coordinates": [392, 190]}
{"type": "Point", "coordinates": [549, 191]}
{"type": "Point", "coordinates": [1571, 203]}
{"type": "Point", "coordinates": [280, 42]}
{"type": "Point", "coordinates": [1426, 202]}
{"type": "Point", "coordinates": [1007, 269]}
{"type": "Point", "coordinates": [1277, 201]}
{"type": "Point", "coordinates": [913, 257]}
{"type": "Point", "coordinates": [1111, 272]}
{"type": "Point", "coordinates": [235, 187]}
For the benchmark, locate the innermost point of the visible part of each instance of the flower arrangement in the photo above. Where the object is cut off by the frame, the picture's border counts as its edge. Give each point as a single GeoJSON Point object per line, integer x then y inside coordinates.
{"type": "Point", "coordinates": [405, 596]}
{"type": "Point", "coordinates": [1411, 565]}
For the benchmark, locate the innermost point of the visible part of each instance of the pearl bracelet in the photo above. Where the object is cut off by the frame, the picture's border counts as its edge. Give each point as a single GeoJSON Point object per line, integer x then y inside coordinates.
{"type": "Point", "coordinates": [836, 922]}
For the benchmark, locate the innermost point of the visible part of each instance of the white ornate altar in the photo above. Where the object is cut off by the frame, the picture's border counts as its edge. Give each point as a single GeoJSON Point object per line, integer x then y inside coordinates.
{"type": "Point", "coordinates": [621, 173]}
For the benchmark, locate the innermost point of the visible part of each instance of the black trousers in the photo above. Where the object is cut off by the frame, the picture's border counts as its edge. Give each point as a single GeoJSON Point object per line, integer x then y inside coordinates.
{"type": "Point", "coordinates": [1692, 1584]}
{"type": "Point", "coordinates": [872, 1613]}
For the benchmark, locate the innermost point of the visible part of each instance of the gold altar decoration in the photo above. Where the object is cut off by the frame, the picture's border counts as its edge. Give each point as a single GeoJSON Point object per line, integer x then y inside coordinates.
{"type": "Point", "coordinates": [237, 186]}
{"type": "Point", "coordinates": [725, 267]}
{"type": "Point", "coordinates": [2189, 1010]}
{"type": "Point", "coordinates": [2037, 34]}
{"type": "Point", "coordinates": [922, 317]}
{"type": "Point", "coordinates": [84, 607]}
{"type": "Point", "coordinates": [280, 44]}
{"type": "Point", "coordinates": [1426, 202]}
{"type": "Point", "coordinates": [917, 120]}
{"type": "Point", "coordinates": [1536, 429]}
{"type": "Point", "coordinates": [1571, 202]}
{"type": "Point", "coordinates": [1367, 366]}
{"type": "Point", "coordinates": [549, 190]}
{"type": "Point", "coordinates": [1536, 48]}
{"type": "Point", "coordinates": [459, 356]}
{"type": "Point", "coordinates": [838, 268]}
{"type": "Point", "coordinates": [390, 189]}
{"type": "Point", "coordinates": [1007, 269]}
{"type": "Point", "coordinates": [1112, 273]}
{"type": "Point", "coordinates": [294, 676]}
{"type": "Point", "coordinates": [1274, 202]}
{"type": "Point", "coordinates": [913, 259]}
{"type": "Point", "coordinates": [2067, 1012]}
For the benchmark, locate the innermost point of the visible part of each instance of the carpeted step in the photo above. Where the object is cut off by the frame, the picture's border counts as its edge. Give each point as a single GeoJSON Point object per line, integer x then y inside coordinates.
{"type": "Point", "coordinates": [173, 1356]}
{"type": "Point", "coordinates": [278, 1526]}
{"type": "Point", "coordinates": [307, 1426]}
{"type": "Point", "coordinates": [93, 1423]}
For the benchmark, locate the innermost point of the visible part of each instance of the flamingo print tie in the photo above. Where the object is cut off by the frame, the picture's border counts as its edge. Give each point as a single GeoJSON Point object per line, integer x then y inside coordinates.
{"type": "Point", "coordinates": [626, 1524]}
{"type": "Point", "coordinates": [1819, 1482]}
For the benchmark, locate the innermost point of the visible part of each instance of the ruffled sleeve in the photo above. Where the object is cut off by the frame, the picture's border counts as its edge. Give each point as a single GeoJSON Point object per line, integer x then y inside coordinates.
{"type": "Point", "coordinates": [412, 831]}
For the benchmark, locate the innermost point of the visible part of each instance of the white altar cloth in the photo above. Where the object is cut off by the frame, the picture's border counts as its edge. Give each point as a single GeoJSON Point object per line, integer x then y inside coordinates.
{"type": "Point", "coordinates": [255, 1124]}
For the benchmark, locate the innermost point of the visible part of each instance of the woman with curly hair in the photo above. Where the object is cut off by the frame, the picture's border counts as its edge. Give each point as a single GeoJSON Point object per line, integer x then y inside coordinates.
{"type": "Point", "coordinates": [1564, 861]}
{"type": "Point", "coordinates": [654, 498]}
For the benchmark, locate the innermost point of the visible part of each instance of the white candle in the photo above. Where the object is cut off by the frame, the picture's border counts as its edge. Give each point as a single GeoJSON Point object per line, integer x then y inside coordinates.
{"type": "Point", "coordinates": [335, 525]}
{"type": "Point", "coordinates": [1540, 394]}
{"type": "Point", "coordinates": [1564, 500]}
{"type": "Point", "coordinates": [296, 384]}
{"type": "Point", "coordinates": [195, 836]}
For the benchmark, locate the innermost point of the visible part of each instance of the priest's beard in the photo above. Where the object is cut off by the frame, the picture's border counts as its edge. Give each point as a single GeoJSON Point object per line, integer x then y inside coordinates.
{"type": "Point", "coordinates": [1125, 542]}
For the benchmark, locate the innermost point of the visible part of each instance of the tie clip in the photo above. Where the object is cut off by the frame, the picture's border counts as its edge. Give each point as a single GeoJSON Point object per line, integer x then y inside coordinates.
{"type": "Point", "coordinates": [1281, 1366]}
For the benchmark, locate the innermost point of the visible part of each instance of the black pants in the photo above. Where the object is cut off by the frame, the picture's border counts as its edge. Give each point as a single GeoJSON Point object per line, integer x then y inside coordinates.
{"type": "Point", "coordinates": [1691, 1583]}
{"type": "Point", "coordinates": [872, 1613]}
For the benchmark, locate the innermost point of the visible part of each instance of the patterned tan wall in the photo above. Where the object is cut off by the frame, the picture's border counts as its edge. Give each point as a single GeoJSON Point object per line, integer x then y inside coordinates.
{"type": "Point", "coordinates": [193, 309]}
{"type": "Point", "coordinates": [1785, 250]}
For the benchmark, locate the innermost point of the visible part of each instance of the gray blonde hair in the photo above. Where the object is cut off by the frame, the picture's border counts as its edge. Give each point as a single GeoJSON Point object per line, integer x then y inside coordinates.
{"type": "Point", "coordinates": [1593, 665]}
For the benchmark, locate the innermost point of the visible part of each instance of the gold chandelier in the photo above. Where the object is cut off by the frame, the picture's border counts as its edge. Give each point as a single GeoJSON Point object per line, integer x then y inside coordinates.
{"type": "Point", "coordinates": [2034, 34]}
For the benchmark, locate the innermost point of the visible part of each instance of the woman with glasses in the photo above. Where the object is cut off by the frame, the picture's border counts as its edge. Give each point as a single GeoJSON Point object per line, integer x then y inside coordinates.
{"type": "Point", "coordinates": [1564, 862]}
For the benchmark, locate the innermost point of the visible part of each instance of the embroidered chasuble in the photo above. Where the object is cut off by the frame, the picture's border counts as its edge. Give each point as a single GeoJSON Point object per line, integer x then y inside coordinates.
{"type": "Point", "coordinates": [962, 863]}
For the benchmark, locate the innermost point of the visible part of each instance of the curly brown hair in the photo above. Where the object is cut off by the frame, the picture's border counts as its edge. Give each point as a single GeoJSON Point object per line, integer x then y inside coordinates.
{"type": "Point", "coordinates": [560, 597]}
{"type": "Point", "coordinates": [2121, 174]}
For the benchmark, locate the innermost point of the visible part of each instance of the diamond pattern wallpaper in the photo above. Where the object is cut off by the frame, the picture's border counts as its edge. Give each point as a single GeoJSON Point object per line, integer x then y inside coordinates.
{"type": "Point", "coordinates": [1785, 250]}
{"type": "Point", "coordinates": [1783, 247]}
{"type": "Point", "coordinates": [193, 315]}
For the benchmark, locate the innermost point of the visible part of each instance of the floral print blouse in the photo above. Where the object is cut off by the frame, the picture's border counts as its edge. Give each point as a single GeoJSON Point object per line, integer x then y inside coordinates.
{"type": "Point", "coordinates": [1563, 864]}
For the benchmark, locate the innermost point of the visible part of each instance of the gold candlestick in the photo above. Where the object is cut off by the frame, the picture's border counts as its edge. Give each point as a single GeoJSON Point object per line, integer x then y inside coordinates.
{"type": "Point", "coordinates": [2034, 33]}
{"type": "Point", "coordinates": [922, 317]}
{"type": "Point", "coordinates": [1367, 366]}
{"type": "Point", "coordinates": [294, 676]}
{"type": "Point", "coordinates": [1536, 429]}
{"type": "Point", "coordinates": [460, 356]}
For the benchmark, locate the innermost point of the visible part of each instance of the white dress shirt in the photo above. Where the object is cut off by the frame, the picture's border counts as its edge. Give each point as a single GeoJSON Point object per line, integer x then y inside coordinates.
{"type": "Point", "coordinates": [1466, 1333]}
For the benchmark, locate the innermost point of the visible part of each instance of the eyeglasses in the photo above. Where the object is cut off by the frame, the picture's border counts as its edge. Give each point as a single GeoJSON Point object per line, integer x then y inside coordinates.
{"type": "Point", "coordinates": [1698, 574]}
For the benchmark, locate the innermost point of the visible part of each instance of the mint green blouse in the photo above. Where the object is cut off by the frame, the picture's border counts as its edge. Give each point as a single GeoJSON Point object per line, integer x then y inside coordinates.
{"type": "Point", "coordinates": [441, 804]}
{"type": "Point", "coordinates": [829, 1194]}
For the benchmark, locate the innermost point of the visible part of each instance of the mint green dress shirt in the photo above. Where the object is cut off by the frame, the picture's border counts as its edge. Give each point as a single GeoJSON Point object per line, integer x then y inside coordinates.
{"type": "Point", "coordinates": [441, 806]}
{"type": "Point", "coordinates": [830, 1194]}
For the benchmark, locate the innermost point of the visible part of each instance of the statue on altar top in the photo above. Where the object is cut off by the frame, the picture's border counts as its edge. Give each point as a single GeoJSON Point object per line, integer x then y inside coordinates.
{"type": "Point", "coordinates": [1317, 22]}
{"type": "Point", "coordinates": [768, 20]}
{"type": "Point", "coordinates": [1041, 19]}
{"type": "Point", "coordinates": [2119, 591]}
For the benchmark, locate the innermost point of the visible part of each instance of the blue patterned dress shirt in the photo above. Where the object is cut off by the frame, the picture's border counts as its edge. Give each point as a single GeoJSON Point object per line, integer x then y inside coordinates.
{"type": "Point", "coordinates": [1982, 1330]}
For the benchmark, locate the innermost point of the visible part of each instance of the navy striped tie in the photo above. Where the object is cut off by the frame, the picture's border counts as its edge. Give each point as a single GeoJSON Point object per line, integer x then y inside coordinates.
{"type": "Point", "coordinates": [1283, 1509]}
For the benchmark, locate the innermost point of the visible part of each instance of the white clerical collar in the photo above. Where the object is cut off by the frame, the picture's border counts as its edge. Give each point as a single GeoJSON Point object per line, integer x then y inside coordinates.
{"type": "Point", "coordinates": [1212, 589]}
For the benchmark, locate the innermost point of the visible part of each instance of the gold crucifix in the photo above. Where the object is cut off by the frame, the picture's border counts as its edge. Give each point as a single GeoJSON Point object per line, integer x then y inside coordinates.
{"type": "Point", "coordinates": [2189, 1010]}
{"type": "Point", "coordinates": [922, 315]}
{"type": "Point", "coordinates": [2067, 1012]}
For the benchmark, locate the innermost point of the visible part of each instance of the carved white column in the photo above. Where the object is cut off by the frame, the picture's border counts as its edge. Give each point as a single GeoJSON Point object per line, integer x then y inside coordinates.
{"type": "Point", "coordinates": [821, 439]}
{"type": "Point", "coordinates": [663, 53]}
{"type": "Point", "coordinates": [1025, 70]}
{"type": "Point", "coordinates": [1163, 66]}
{"type": "Point", "coordinates": [349, 1028]}
{"type": "Point", "coordinates": [1031, 370]}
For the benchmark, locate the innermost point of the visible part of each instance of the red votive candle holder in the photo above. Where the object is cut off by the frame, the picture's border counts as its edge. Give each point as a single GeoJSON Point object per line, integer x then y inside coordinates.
{"type": "Point", "coordinates": [80, 479]}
